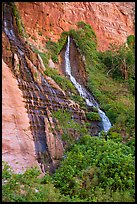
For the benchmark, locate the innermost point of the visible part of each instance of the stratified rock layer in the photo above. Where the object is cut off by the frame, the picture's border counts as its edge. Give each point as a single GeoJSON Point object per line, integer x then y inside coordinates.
{"type": "Point", "coordinates": [41, 94]}
{"type": "Point", "coordinates": [111, 21]}
{"type": "Point", "coordinates": [17, 141]}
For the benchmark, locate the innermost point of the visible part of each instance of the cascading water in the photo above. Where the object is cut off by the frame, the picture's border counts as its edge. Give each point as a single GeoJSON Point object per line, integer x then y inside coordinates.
{"type": "Point", "coordinates": [30, 88]}
{"type": "Point", "coordinates": [40, 97]}
{"type": "Point", "coordinates": [90, 101]}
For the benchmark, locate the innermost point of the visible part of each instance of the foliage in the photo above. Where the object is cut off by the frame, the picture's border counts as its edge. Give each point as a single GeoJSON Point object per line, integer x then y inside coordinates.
{"type": "Point", "coordinates": [93, 116]}
{"type": "Point", "coordinates": [27, 187]}
{"type": "Point", "coordinates": [120, 62]}
{"type": "Point", "coordinates": [66, 85]}
{"type": "Point", "coordinates": [55, 48]}
{"type": "Point", "coordinates": [86, 41]}
{"type": "Point", "coordinates": [71, 129]}
{"type": "Point", "coordinates": [92, 166]}
{"type": "Point", "coordinates": [131, 41]}
{"type": "Point", "coordinates": [111, 78]}
{"type": "Point", "coordinates": [78, 99]}
{"type": "Point", "coordinates": [93, 170]}
{"type": "Point", "coordinates": [19, 23]}
{"type": "Point", "coordinates": [61, 80]}
{"type": "Point", "coordinates": [45, 56]}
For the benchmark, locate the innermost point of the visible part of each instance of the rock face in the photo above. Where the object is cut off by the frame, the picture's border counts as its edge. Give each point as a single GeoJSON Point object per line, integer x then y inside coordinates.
{"type": "Point", "coordinates": [111, 21]}
{"type": "Point", "coordinates": [17, 141]}
{"type": "Point", "coordinates": [29, 97]}
{"type": "Point", "coordinates": [42, 97]}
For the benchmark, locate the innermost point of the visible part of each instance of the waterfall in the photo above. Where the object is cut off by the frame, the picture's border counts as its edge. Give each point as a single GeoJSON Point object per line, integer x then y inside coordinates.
{"type": "Point", "coordinates": [90, 101]}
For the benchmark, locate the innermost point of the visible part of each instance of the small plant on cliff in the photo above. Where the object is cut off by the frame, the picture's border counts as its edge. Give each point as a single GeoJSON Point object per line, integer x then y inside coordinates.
{"type": "Point", "coordinates": [55, 48]}
{"type": "Point", "coordinates": [71, 129]}
{"type": "Point", "coordinates": [45, 56]}
{"type": "Point", "coordinates": [61, 80]}
{"type": "Point", "coordinates": [93, 116]}
{"type": "Point", "coordinates": [131, 41]}
{"type": "Point", "coordinates": [19, 23]}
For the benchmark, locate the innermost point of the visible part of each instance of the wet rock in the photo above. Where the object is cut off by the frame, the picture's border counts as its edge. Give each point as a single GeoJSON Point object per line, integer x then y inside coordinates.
{"type": "Point", "coordinates": [17, 140]}
{"type": "Point", "coordinates": [41, 96]}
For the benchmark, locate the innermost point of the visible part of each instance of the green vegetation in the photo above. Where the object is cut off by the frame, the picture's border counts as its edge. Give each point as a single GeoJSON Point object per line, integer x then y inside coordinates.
{"type": "Point", "coordinates": [55, 48]}
{"type": "Point", "coordinates": [27, 187]}
{"type": "Point", "coordinates": [66, 85]}
{"type": "Point", "coordinates": [18, 20]}
{"type": "Point", "coordinates": [70, 128]}
{"type": "Point", "coordinates": [93, 116]}
{"type": "Point", "coordinates": [78, 99]}
{"type": "Point", "coordinates": [61, 80]}
{"type": "Point", "coordinates": [114, 90]}
{"type": "Point", "coordinates": [93, 169]}
{"type": "Point", "coordinates": [120, 63]}
{"type": "Point", "coordinates": [97, 170]}
{"type": "Point", "coordinates": [45, 56]}
{"type": "Point", "coordinates": [131, 41]}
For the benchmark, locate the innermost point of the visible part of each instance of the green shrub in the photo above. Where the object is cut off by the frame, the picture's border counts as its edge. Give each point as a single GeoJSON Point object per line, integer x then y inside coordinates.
{"type": "Point", "coordinates": [78, 99]}
{"type": "Point", "coordinates": [114, 136]}
{"type": "Point", "coordinates": [61, 80]}
{"type": "Point", "coordinates": [93, 116]}
{"type": "Point", "coordinates": [131, 41]}
{"type": "Point", "coordinates": [55, 48]}
{"type": "Point", "coordinates": [93, 164]}
{"type": "Point", "coordinates": [27, 187]}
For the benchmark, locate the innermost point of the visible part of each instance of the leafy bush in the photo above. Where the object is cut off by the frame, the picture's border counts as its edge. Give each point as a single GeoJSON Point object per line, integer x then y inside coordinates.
{"type": "Point", "coordinates": [27, 187]}
{"type": "Point", "coordinates": [120, 61]}
{"type": "Point", "coordinates": [55, 48]}
{"type": "Point", "coordinates": [92, 166]}
{"type": "Point", "coordinates": [93, 116]}
{"type": "Point", "coordinates": [131, 41]}
{"type": "Point", "coordinates": [93, 170]}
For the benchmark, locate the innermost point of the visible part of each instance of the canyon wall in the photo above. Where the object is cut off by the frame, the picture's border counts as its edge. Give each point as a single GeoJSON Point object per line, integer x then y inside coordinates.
{"type": "Point", "coordinates": [111, 21]}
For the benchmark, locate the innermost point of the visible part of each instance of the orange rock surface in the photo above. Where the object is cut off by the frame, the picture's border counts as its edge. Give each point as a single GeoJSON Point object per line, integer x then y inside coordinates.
{"type": "Point", "coordinates": [112, 21]}
{"type": "Point", "coordinates": [17, 142]}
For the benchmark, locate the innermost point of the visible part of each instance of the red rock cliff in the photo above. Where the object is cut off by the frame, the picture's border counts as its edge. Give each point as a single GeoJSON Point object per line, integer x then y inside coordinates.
{"type": "Point", "coordinates": [112, 21]}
